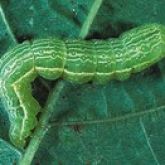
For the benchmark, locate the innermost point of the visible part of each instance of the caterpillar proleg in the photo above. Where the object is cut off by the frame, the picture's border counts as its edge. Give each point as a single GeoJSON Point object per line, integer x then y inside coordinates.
{"type": "Point", "coordinates": [77, 61]}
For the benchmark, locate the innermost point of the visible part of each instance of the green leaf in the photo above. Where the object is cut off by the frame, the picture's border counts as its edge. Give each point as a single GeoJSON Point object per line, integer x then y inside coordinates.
{"type": "Point", "coordinates": [118, 123]}
{"type": "Point", "coordinates": [8, 154]}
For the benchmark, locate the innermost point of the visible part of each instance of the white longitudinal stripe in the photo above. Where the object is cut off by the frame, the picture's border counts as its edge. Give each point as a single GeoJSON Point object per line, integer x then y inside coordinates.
{"type": "Point", "coordinates": [61, 70]}
{"type": "Point", "coordinates": [24, 111]}
{"type": "Point", "coordinates": [50, 57]}
{"type": "Point", "coordinates": [27, 74]}
{"type": "Point", "coordinates": [127, 70]}
{"type": "Point", "coordinates": [22, 104]}
{"type": "Point", "coordinates": [83, 61]}
{"type": "Point", "coordinates": [49, 69]}
{"type": "Point", "coordinates": [78, 74]}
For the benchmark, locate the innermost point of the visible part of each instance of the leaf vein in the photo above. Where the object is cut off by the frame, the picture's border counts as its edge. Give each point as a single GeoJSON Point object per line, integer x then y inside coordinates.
{"type": "Point", "coordinates": [148, 142]}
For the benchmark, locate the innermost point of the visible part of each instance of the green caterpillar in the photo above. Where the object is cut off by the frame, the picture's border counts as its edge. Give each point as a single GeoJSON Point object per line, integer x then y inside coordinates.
{"type": "Point", "coordinates": [77, 61]}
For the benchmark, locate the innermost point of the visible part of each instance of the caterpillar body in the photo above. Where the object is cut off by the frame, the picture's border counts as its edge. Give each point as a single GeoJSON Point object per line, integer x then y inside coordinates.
{"type": "Point", "coordinates": [77, 61]}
